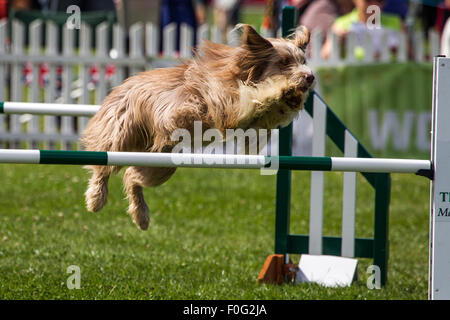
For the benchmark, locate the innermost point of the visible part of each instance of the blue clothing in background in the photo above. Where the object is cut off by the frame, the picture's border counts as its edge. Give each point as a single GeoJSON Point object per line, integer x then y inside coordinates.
{"type": "Point", "coordinates": [398, 7]}
{"type": "Point", "coordinates": [432, 3]}
{"type": "Point", "coordinates": [178, 11]}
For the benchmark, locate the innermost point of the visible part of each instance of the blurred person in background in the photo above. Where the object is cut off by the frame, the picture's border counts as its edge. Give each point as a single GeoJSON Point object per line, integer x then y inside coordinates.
{"type": "Point", "coordinates": [314, 14]}
{"type": "Point", "coordinates": [3, 9]}
{"type": "Point", "coordinates": [428, 14]}
{"type": "Point", "coordinates": [85, 5]}
{"type": "Point", "coordinates": [443, 26]}
{"type": "Point", "coordinates": [201, 11]}
{"type": "Point", "coordinates": [442, 15]}
{"type": "Point", "coordinates": [397, 7]}
{"type": "Point", "coordinates": [321, 14]}
{"type": "Point", "coordinates": [357, 22]}
{"type": "Point", "coordinates": [62, 5]}
{"type": "Point", "coordinates": [23, 4]}
{"type": "Point", "coordinates": [272, 18]}
{"type": "Point", "coordinates": [271, 23]}
{"type": "Point", "coordinates": [179, 12]}
{"type": "Point", "coordinates": [226, 15]}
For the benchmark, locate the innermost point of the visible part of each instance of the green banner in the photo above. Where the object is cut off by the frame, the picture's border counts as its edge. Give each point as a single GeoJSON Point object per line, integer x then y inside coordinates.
{"type": "Point", "coordinates": [386, 106]}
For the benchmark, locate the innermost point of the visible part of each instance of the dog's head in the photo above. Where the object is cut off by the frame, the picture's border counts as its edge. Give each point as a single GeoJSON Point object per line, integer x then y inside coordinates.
{"type": "Point", "coordinates": [264, 58]}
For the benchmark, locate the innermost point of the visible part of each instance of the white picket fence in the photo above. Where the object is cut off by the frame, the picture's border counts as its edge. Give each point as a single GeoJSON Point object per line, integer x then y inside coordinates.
{"type": "Point", "coordinates": [65, 73]}
{"type": "Point", "coordinates": [379, 46]}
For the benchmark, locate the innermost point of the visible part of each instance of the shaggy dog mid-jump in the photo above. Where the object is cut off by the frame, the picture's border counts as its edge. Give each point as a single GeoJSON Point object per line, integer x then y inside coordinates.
{"type": "Point", "coordinates": [261, 84]}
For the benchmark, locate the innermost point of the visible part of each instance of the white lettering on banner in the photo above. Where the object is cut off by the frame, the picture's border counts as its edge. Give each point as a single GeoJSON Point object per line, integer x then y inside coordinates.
{"type": "Point", "coordinates": [423, 140]}
{"type": "Point", "coordinates": [401, 132]}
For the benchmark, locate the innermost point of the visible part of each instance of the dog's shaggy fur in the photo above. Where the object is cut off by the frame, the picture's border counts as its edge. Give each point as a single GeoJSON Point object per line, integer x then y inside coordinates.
{"type": "Point", "coordinates": [262, 83]}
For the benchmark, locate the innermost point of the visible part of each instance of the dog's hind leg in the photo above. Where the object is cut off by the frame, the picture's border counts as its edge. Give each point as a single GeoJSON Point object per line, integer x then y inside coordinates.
{"type": "Point", "coordinates": [134, 179]}
{"type": "Point", "coordinates": [97, 192]}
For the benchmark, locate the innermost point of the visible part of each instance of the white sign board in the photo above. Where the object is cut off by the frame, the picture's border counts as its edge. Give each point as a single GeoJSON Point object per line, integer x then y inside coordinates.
{"type": "Point", "coordinates": [329, 271]}
{"type": "Point", "coordinates": [439, 273]}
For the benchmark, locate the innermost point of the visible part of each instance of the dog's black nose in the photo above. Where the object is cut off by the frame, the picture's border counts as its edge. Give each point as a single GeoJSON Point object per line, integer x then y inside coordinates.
{"type": "Point", "coordinates": [309, 78]}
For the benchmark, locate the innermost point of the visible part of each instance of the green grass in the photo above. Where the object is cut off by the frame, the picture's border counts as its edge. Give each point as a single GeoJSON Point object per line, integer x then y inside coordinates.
{"type": "Point", "coordinates": [210, 233]}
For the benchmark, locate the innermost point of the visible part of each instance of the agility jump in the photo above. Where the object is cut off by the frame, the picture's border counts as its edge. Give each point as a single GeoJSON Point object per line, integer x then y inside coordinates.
{"type": "Point", "coordinates": [437, 169]}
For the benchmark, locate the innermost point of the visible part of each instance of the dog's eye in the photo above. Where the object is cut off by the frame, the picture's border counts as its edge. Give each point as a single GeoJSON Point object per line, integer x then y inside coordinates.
{"type": "Point", "coordinates": [285, 62]}
{"type": "Point", "coordinates": [301, 59]}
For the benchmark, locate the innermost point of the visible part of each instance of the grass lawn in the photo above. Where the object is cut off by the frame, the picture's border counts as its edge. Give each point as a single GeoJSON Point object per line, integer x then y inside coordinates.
{"type": "Point", "coordinates": [210, 233]}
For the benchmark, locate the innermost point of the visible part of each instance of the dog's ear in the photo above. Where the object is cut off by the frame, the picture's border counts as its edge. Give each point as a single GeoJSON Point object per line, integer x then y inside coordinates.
{"type": "Point", "coordinates": [251, 39]}
{"type": "Point", "coordinates": [300, 37]}
{"type": "Point", "coordinates": [257, 52]}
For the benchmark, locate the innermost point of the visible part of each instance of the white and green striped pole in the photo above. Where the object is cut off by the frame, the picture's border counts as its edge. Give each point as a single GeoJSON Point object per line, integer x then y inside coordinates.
{"type": "Point", "coordinates": [56, 109]}
{"type": "Point", "coordinates": [197, 160]}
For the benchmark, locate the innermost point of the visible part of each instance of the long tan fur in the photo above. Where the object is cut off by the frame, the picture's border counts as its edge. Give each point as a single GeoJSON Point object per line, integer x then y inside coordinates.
{"type": "Point", "coordinates": [260, 84]}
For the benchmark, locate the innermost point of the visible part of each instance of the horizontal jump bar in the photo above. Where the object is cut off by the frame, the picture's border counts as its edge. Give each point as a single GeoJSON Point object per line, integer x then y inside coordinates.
{"type": "Point", "coordinates": [56, 109]}
{"type": "Point", "coordinates": [198, 160]}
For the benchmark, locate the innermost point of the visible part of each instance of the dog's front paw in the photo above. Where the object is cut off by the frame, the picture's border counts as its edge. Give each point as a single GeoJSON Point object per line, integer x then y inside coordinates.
{"type": "Point", "coordinates": [292, 96]}
{"type": "Point", "coordinates": [289, 92]}
{"type": "Point", "coordinates": [140, 215]}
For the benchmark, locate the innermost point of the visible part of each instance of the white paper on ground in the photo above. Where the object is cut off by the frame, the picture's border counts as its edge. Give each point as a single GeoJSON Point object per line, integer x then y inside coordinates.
{"type": "Point", "coordinates": [329, 271]}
